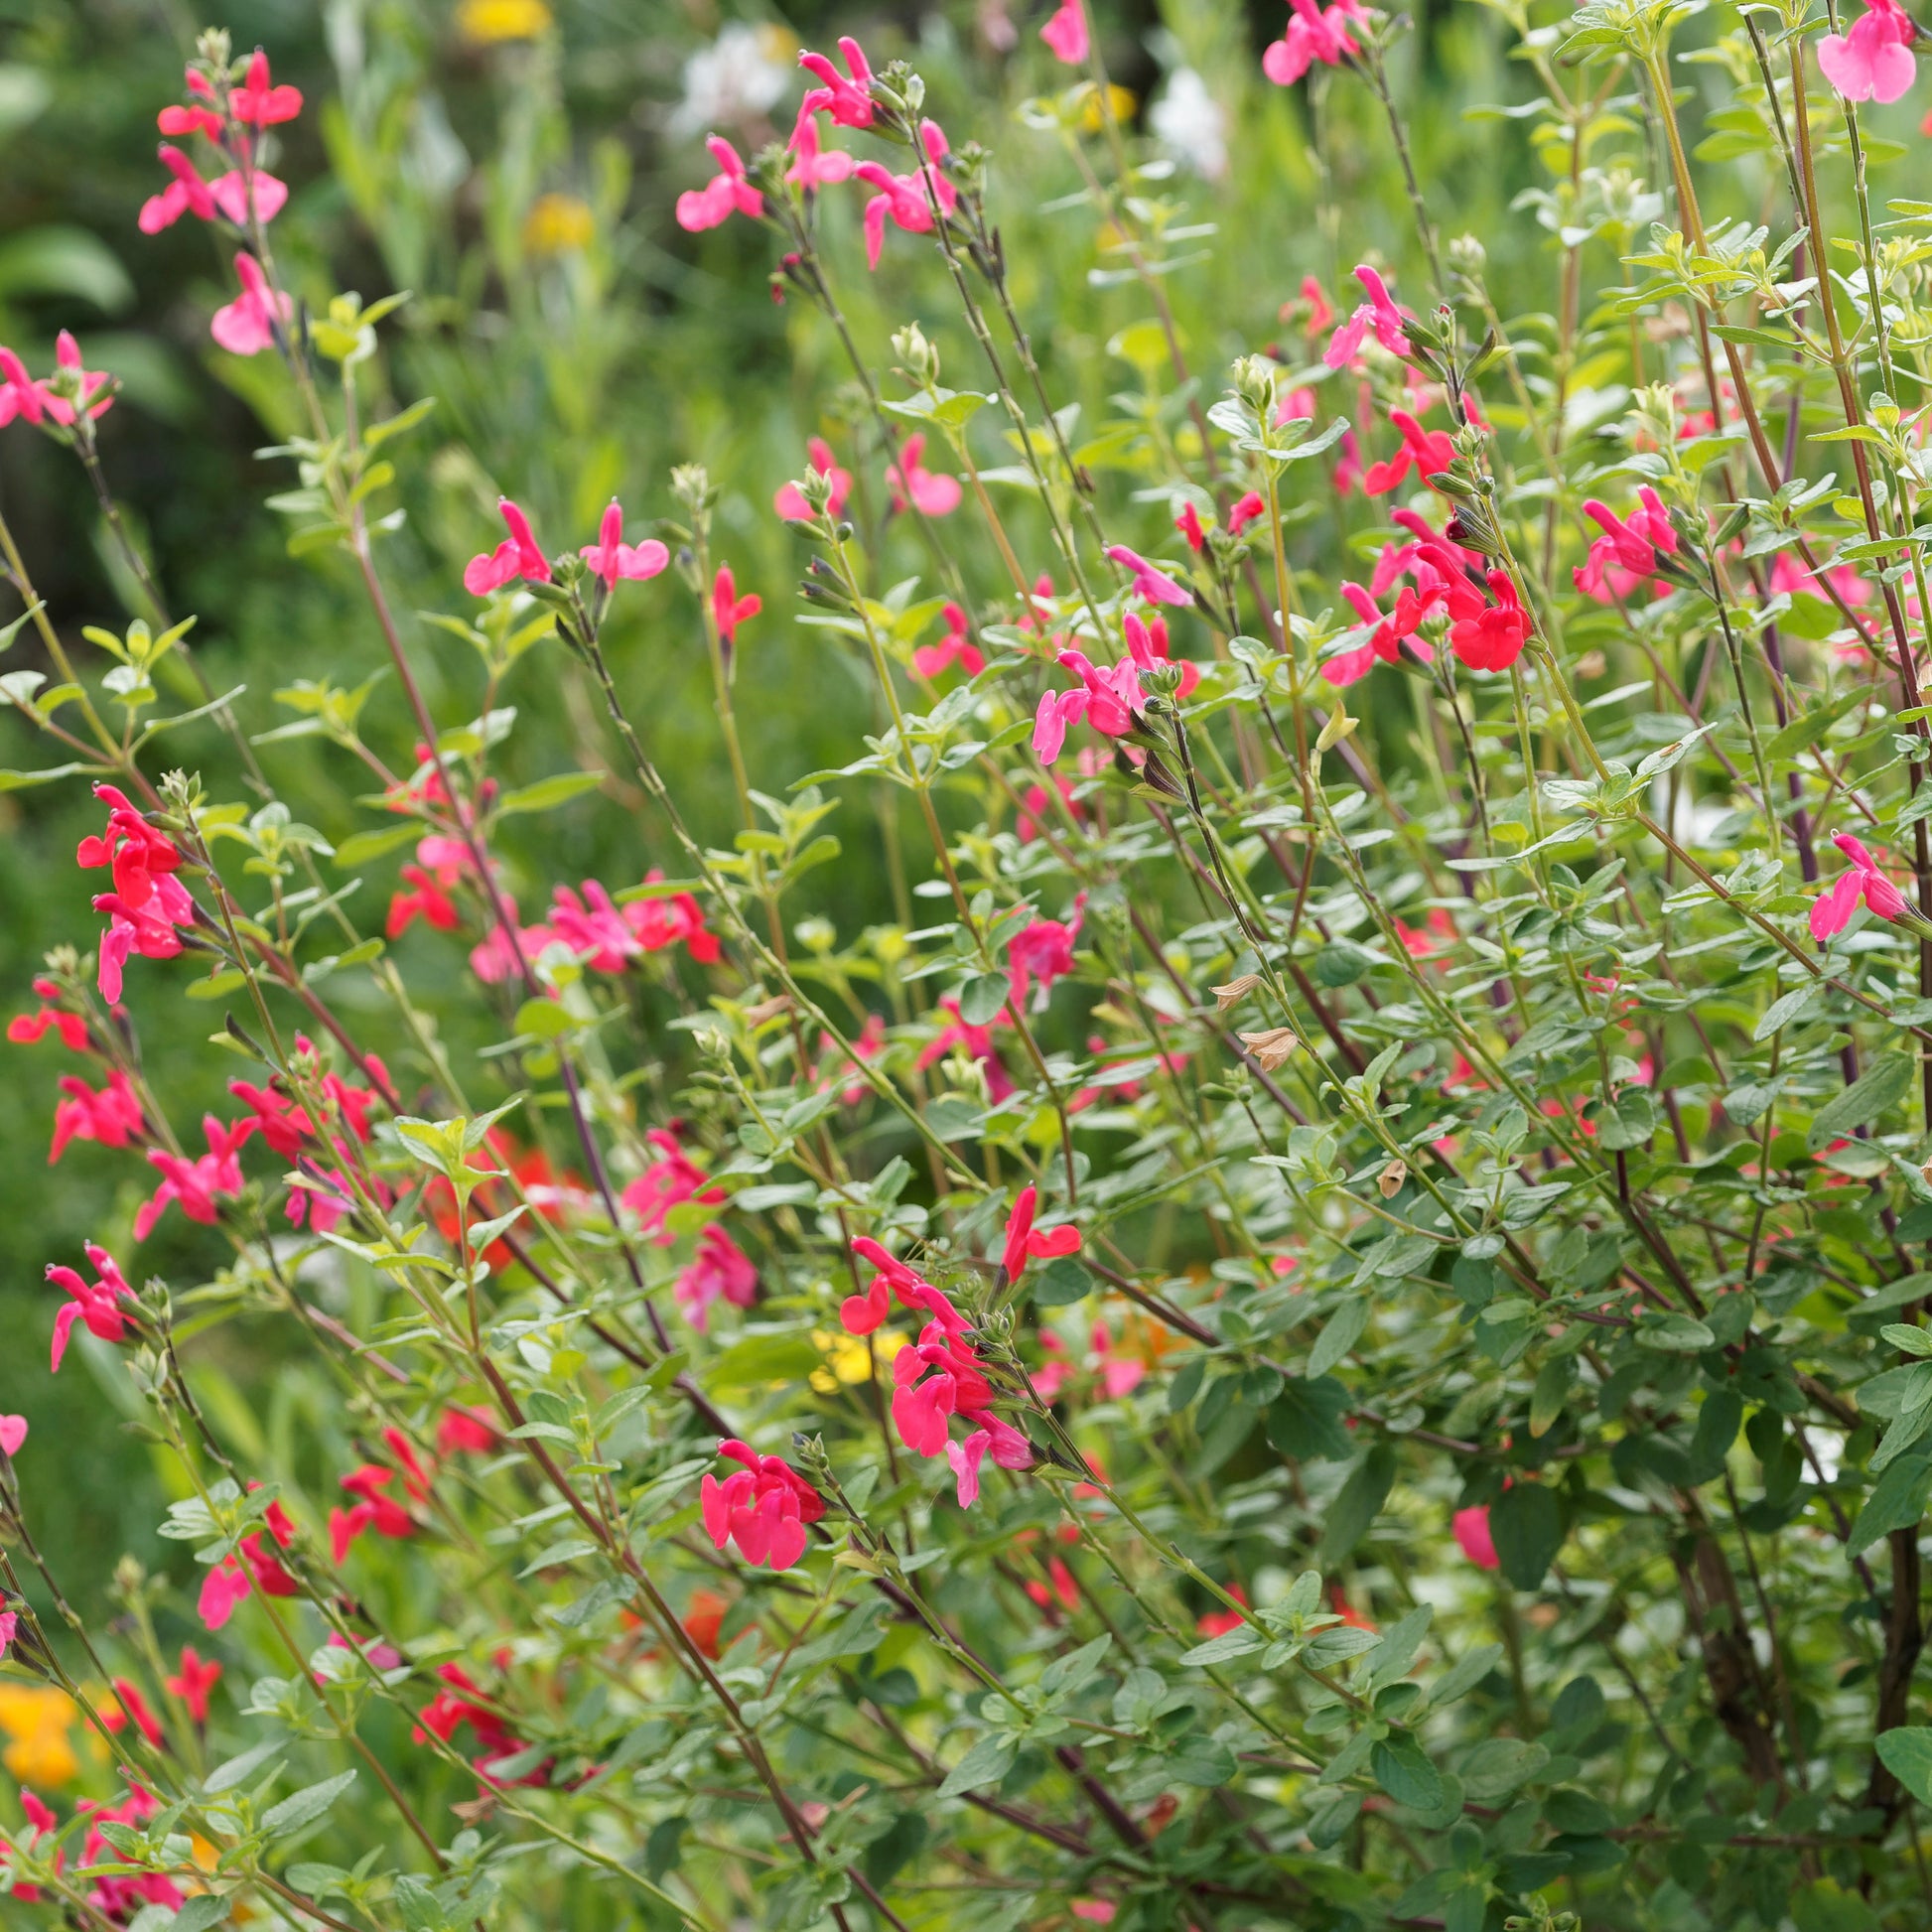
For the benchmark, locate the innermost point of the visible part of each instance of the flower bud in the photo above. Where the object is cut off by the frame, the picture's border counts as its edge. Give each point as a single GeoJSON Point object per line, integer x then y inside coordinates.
{"type": "Point", "coordinates": [918, 356]}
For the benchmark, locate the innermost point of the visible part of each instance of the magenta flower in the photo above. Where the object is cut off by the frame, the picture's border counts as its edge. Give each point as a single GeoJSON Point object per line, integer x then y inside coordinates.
{"type": "Point", "coordinates": [112, 1117]}
{"type": "Point", "coordinates": [1150, 581]}
{"type": "Point", "coordinates": [763, 1507]}
{"type": "Point", "coordinates": [228, 194]}
{"type": "Point", "coordinates": [1428, 451]}
{"type": "Point", "coordinates": [1314, 33]}
{"type": "Point", "coordinates": [1024, 1242]}
{"type": "Point", "coordinates": [673, 1178]}
{"type": "Point", "coordinates": [87, 384]}
{"type": "Point", "coordinates": [790, 502]}
{"type": "Point", "coordinates": [1244, 511]}
{"type": "Point", "coordinates": [1387, 634]}
{"type": "Point", "coordinates": [935, 495]}
{"type": "Point", "coordinates": [198, 1184]}
{"type": "Point", "coordinates": [904, 198]}
{"type": "Point", "coordinates": [1057, 710]}
{"type": "Point", "coordinates": [1627, 550]}
{"type": "Point", "coordinates": [728, 608]}
{"type": "Point", "coordinates": [97, 1304]}
{"type": "Point", "coordinates": [1009, 1447]}
{"type": "Point", "coordinates": [248, 324]}
{"type": "Point", "coordinates": [19, 393]}
{"type": "Point", "coordinates": [721, 1270]}
{"type": "Point", "coordinates": [1378, 312]}
{"type": "Point", "coordinates": [847, 102]}
{"type": "Point", "coordinates": [259, 105]}
{"type": "Point", "coordinates": [955, 648]}
{"type": "Point", "coordinates": [13, 1432]}
{"type": "Point", "coordinates": [1873, 62]}
{"type": "Point", "coordinates": [1472, 1528]}
{"type": "Point", "coordinates": [726, 194]}
{"type": "Point", "coordinates": [516, 556]}
{"type": "Point", "coordinates": [1146, 645]}
{"type": "Point", "coordinates": [1066, 32]}
{"type": "Point", "coordinates": [813, 167]}
{"type": "Point", "coordinates": [611, 557]}
{"type": "Point", "coordinates": [1042, 952]}
{"type": "Point", "coordinates": [1189, 525]}
{"type": "Point", "coordinates": [976, 1043]}
{"type": "Point", "coordinates": [1830, 913]}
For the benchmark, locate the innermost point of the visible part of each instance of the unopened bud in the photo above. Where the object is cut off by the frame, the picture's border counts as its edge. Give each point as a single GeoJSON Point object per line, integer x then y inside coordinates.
{"type": "Point", "coordinates": [918, 356]}
{"type": "Point", "coordinates": [1255, 377]}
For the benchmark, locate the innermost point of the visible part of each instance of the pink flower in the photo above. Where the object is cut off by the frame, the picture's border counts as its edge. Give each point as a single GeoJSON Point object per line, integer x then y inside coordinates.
{"type": "Point", "coordinates": [139, 855]}
{"type": "Point", "coordinates": [720, 1272]}
{"type": "Point", "coordinates": [200, 1183]}
{"type": "Point", "coordinates": [1312, 35]}
{"type": "Point", "coordinates": [467, 1431]}
{"type": "Point", "coordinates": [975, 1042]}
{"type": "Point", "coordinates": [85, 385]}
{"type": "Point", "coordinates": [1492, 636]}
{"type": "Point", "coordinates": [112, 1116]}
{"type": "Point", "coordinates": [1043, 952]}
{"type": "Point", "coordinates": [97, 1304]}
{"type": "Point", "coordinates": [1627, 550]}
{"type": "Point", "coordinates": [1428, 451]}
{"type": "Point", "coordinates": [790, 502]}
{"type": "Point", "coordinates": [224, 1586]}
{"type": "Point", "coordinates": [1094, 1912]}
{"type": "Point", "coordinates": [128, 1704]}
{"type": "Point", "coordinates": [814, 167]}
{"type": "Point", "coordinates": [904, 198]}
{"type": "Point", "coordinates": [763, 1507]}
{"type": "Point", "coordinates": [661, 921]}
{"type": "Point", "coordinates": [1378, 312]}
{"type": "Point", "coordinates": [425, 901]}
{"type": "Point", "coordinates": [1150, 581]}
{"type": "Point", "coordinates": [193, 1682]}
{"type": "Point", "coordinates": [25, 1029]}
{"type": "Point", "coordinates": [1058, 710]}
{"type": "Point", "coordinates": [1873, 62]}
{"type": "Point", "coordinates": [935, 495]}
{"type": "Point", "coordinates": [611, 557]}
{"type": "Point", "coordinates": [1245, 511]}
{"type": "Point", "coordinates": [1832, 910]}
{"type": "Point", "coordinates": [1008, 1449]}
{"type": "Point", "coordinates": [1190, 527]}
{"type": "Point", "coordinates": [729, 607]}
{"type": "Point", "coordinates": [259, 105]}
{"type": "Point", "coordinates": [1146, 645]}
{"type": "Point", "coordinates": [231, 195]}
{"type": "Point", "coordinates": [1066, 32]}
{"type": "Point", "coordinates": [849, 102]}
{"type": "Point", "coordinates": [1387, 637]}
{"type": "Point", "coordinates": [1114, 695]}
{"type": "Point", "coordinates": [1024, 1242]}
{"type": "Point", "coordinates": [516, 556]}
{"type": "Point", "coordinates": [1472, 1528]}
{"type": "Point", "coordinates": [726, 194]}
{"type": "Point", "coordinates": [13, 1432]}
{"type": "Point", "coordinates": [248, 324]}
{"type": "Point", "coordinates": [19, 394]}
{"type": "Point", "coordinates": [928, 660]}
{"type": "Point", "coordinates": [670, 1179]}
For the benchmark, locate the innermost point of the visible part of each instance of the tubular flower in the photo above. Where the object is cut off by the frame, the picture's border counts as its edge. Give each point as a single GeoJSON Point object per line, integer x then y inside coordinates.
{"type": "Point", "coordinates": [1873, 62]}
{"type": "Point", "coordinates": [1114, 695]}
{"type": "Point", "coordinates": [19, 394]}
{"type": "Point", "coordinates": [904, 198]}
{"type": "Point", "coordinates": [128, 1706]}
{"type": "Point", "coordinates": [1627, 550]}
{"type": "Point", "coordinates": [1146, 645]}
{"type": "Point", "coordinates": [1472, 1527]}
{"type": "Point", "coordinates": [198, 1184]}
{"type": "Point", "coordinates": [71, 390]}
{"type": "Point", "coordinates": [721, 1270]}
{"type": "Point", "coordinates": [955, 648]}
{"type": "Point", "coordinates": [1024, 1242]}
{"type": "Point", "coordinates": [24, 1029]}
{"type": "Point", "coordinates": [192, 1683]}
{"type": "Point", "coordinates": [1245, 510]}
{"type": "Point", "coordinates": [1492, 636]}
{"type": "Point", "coordinates": [764, 1508]}
{"type": "Point", "coordinates": [790, 502]}
{"type": "Point", "coordinates": [847, 102]}
{"type": "Point", "coordinates": [97, 1304]}
{"type": "Point", "coordinates": [1428, 451]}
{"type": "Point", "coordinates": [1150, 581]}
{"type": "Point", "coordinates": [247, 324]}
{"type": "Point", "coordinates": [258, 103]}
{"type": "Point", "coordinates": [729, 607]}
{"type": "Point", "coordinates": [426, 899]}
{"type": "Point", "coordinates": [112, 1116]}
{"type": "Point", "coordinates": [673, 1178]}
{"type": "Point", "coordinates": [1042, 952]}
{"type": "Point", "coordinates": [1066, 32]}
{"type": "Point", "coordinates": [1188, 524]}
{"type": "Point", "coordinates": [726, 194]}
{"type": "Point", "coordinates": [516, 556]}
{"type": "Point", "coordinates": [1388, 635]}
{"type": "Point", "coordinates": [611, 557]}
{"type": "Point", "coordinates": [814, 167]}
{"type": "Point", "coordinates": [240, 198]}
{"type": "Point", "coordinates": [1832, 910]}
{"type": "Point", "coordinates": [910, 481]}
{"type": "Point", "coordinates": [138, 855]}
{"type": "Point", "coordinates": [1379, 313]}
{"type": "Point", "coordinates": [1314, 33]}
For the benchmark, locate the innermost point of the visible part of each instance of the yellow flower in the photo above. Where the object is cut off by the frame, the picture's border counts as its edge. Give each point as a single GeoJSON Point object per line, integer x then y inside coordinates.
{"type": "Point", "coordinates": [1118, 99]}
{"type": "Point", "coordinates": [489, 21]}
{"type": "Point", "coordinates": [36, 1720]}
{"type": "Point", "coordinates": [847, 1358]}
{"type": "Point", "coordinates": [558, 224]}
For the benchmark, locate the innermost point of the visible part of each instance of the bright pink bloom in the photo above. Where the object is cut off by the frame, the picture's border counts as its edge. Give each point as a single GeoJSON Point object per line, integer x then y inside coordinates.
{"type": "Point", "coordinates": [726, 194]}
{"type": "Point", "coordinates": [260, 105]}
{"type": "Point", "coordinates": [1150, 581]}
{"type": "Point", "coordinates": [955, 648]}
{"type": "Point", "coordinates": [790, 502]}
{"type": "Point", "coordinates": [763, 1507]}
{"type": "Point", "coordinates": [224, 1586]}
{"type": "Point", "coordinates": [97, 1304]}
{"type": "Point", "coordinates": [191, 1685]}
{"type": "Point", "coordinates": [112, 1116]}
{"type": "Point", "coordinates": [670, 1179]}
{"type": "Point", "coordinates": [1472, 1533]}
{"type": "Point", "coordinates": [849, 102]}
{"type": "Point", "coordinates": [1114, 695]}
{"type": "Point", "coordinates": [1245, 511]}
{"type": "Point", "coordinates": [247, 324]}
{"type": "Point", "coordinates": [1042, 952]}
{"type": "Point", "coordinates": [1314, 33]}
{"type": "Point", "coordinates": [1386, 637]}
{"type": "Point", "coordinates": [721, 1270]}
{"type": "Point", "coordinates": [1190, 527]}
{"type": "Point", "coordinates": [662, 921]}
{"type": "Point", "coordinates": [24, 1029]}
{"type": "Point", "coordinates": [1873, 62]}
{"type": "Point", "coordinates": [228, 195]}
{"type": "Point", "coordinates": [128, 1704]}
{"type": "Point", "coordinates": [200, 1183]}
{"type": "Point", "coordinates": [1008, 1449]}
{"type": "Point", "coordinates": [1378, 312]}
{"type": "Point", "coordinates": [148, 930]}
{"type": "Point", "coordinates": [1627, 550]}
{"type": "Point", "coordinates": [611, 557]}
{"type": "Point", "coordinates": [1321, 311]}
{"type": "Point", "coordinates": [1024, 1242]}
{"type": "Point", "coordinates": [814, 167]}
{"type": "Point", "coordinates": [1066, 32]}
{"type": "Point", "coordinates": [1492, 638]}
{"type": "Point", "coordinates": [13, 1432]}
{"type": "Point", "coordinates": [904, 199]}
{"type": "Point", "coordinates": [88, 384]}
{"type": "Point", "coordinates": [119, 1900]}
{"type": "Point", "coordinates": [39, 1816]}
{"type": "Point", "coordinates": [1146, 645]}
{"type": "Point", "coordinates": [935, 495]}
{"type": "Point", "coordinates": [975, 1042]}
{"type": "Point", "coordinates": [516, 556]}
{"type": "Point", "coordinates": [1832, 910]}
{"type": "Point", "coordinates": [19, 396]}
{"type": "Point", "coordinates": [464, 1432]}
{"type": "Point", "coordinates": [1058, 710]}
{"type": "Point", "coordinates": [138, 853]}
{"type": "Point", "coordinates": [425, 901]}
{"type": "Point", "coordinates": [1428, 451]}
{"type": "Point", "coordinates": [729, 607]}
{"type": "Point", "coordinates": [1094, 1912]}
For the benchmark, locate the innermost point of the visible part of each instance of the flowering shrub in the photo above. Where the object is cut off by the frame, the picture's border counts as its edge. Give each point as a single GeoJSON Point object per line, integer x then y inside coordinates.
{"type": "Point", "coordinates": [1325, 1332]}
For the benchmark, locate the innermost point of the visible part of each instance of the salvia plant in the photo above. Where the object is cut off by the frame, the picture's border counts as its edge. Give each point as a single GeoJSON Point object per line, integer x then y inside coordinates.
{"type": "Point", "coordinates": [1324, 1331]}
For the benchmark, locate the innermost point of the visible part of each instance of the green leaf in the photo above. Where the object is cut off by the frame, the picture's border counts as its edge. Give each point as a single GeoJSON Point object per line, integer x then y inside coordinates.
{"type": "Point", "coordinates": [1907, 1755]}
{"type": "Point", "coordinates": [1340, 1334]}
{"type": "Point", "coordinates": [360, 847]}
{"type": "Point", "coordinates": [1061, 1283]}
{"type": "Point", "coordinates": [21, 780]}
{"type": "Point", "coordinates": [1896, 1502]}
{"type": "Point", "coordinates": [1879, 1087]}
{"type": "Point", "coordinates": [198, 1913]}
{"type": "Point", "coordinates": [988, 1760]}
{"type": "Point", "coordinates": [1223, 1649]}
{"type": "Point", "coordinates": [1402, 1768]}
{"type": "Point", "coordinates": [1499, 1764]}
{"type": "Point", "coordinates": [305, 1806]}
{"type": "Point", "coordinates": [1354, 1509]}
{"type": "Point", "coordinates": [548, 793]}
{"type": "Point", "coordinates": [1526, 1523]}
{"type": "Point", "coordinates": [237, 1770]}
{"type": "Point", "coordinates": [982, 998]}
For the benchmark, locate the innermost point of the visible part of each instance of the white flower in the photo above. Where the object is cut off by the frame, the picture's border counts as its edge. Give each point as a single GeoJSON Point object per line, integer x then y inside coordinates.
{"type": "Point", "coordinates": [1190, 121]}
{"type": "Point", "coordinates": [742, 75]}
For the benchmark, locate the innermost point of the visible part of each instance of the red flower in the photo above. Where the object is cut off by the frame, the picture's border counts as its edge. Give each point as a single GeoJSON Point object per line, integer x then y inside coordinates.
{"type": "Point", "coordinates": [193, 1683]}
{"type": "Point", "coordinates": [516, 556]}
{"type": "Point", "coordinates": [1428, 451]}
{"type": "Point", "coordinates": [97, 1304]}
{"type": "Point", "coordinates": [763, 1507]}
{"type": "Point", "coordinates": [198, 1184]}
{"type": "Point", "coordinates": [128, 1702]}
{"type": "Point", "coordinates": [464, 1432]}
{"type": "Point", "coordinates": [112, 1116]}
{"type": "Point", "coordinates": [24, 1029]}
{"type": "Point", "coordinates": [728, 608]}
{"type": "Point", "coordinates": [1492, 636]}
{"type": "Point", "coordinates": [258, 103]}
{"type": "Point", "coordinates": [673, 1178]}
{"type": "Point", "coordinates": [1024, 1242]}
{"type": "Point", "coordinates": [928, 660]}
